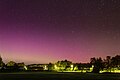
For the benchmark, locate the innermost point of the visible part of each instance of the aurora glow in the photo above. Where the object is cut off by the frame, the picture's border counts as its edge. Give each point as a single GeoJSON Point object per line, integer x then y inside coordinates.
{"type": "Point", "coordinates": [43, 31]}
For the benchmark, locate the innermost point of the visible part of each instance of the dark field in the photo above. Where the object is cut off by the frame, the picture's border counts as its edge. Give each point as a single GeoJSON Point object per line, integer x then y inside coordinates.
{"type": "Point", "coordinates": [57, 76]}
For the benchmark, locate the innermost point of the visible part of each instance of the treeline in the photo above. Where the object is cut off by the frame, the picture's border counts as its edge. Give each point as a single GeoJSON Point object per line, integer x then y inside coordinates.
{"type": "Point", "coordinates": [11, 66]}
{"type": "Point", "coordinates": [95, 65]}
{"type": "Point", "coordinates": [107, 64]}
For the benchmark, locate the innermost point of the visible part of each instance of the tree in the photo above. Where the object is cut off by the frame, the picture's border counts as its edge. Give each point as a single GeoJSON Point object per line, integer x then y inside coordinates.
{"type": "Point", "coordinates": [107, 63]}
{"type": "Point", "coordinates": [115, 61]}
{"type": "Point", "coordinates": [50, 67]}
{"type": "Point", "coordinates": [11, 63]}
{"type": "Point", "coordinates": [63, 65]}
{"type": "Point", "coordinates": [2, 64]}
{"type": "Point", "coordinates": [12, 66]}
{"type": "Point", "coordinates": [98, 64]}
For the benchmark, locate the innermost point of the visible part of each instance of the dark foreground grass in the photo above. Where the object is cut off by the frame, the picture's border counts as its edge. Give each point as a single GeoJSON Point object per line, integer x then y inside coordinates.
{"type": "Point", "coordinates": [57, 76]}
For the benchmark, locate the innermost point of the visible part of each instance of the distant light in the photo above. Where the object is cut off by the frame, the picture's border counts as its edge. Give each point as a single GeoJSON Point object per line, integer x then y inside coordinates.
{"type": "Point", "coordinates": [25, 68]}
{"type": "Point", "coordinates": [71, 66]}
{"type": "Point", "coordinates": [55, 66]}
{"type": "Point", "coordinates": [45, 68]}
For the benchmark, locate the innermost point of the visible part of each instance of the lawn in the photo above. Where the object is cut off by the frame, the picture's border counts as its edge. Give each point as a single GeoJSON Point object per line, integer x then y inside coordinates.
{"type": "Point", "coordinates": [57, 76]}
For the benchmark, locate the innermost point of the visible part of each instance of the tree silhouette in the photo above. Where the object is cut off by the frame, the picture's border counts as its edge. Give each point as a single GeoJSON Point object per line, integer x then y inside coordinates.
{"type": "Point", "coordinates": [98, 64]}
{"type": "Point", "coordinates": [107, 63]}
{"type": "Point", "coordinates": [115, 61]}
{"type": "Point", "coordinates": [50, 67]}
{"type": "Point", "coordinates": [2, 64]}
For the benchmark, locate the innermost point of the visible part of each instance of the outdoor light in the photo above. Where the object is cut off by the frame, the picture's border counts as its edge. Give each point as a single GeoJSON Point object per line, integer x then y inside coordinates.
{"type": "Point", "coordinates": [71, 66]}
{"type": "Point", "coordinates": [25, 67]}
{"type": "Point", "coordinates": [56, 67]}
{"type": "Point", "coordinates": [45, 67]}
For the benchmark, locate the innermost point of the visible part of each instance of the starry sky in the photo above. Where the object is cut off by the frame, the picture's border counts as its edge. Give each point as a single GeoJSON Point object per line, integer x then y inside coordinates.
{"type": "Point", "coordinates": [43, 31]}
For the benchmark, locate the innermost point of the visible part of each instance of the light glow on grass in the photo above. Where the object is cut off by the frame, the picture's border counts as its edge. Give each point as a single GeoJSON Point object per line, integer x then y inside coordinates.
{"type": "Point", "coordinates": [113, 70]}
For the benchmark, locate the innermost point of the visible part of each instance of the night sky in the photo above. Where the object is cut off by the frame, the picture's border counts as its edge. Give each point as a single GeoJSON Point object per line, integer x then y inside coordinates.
{"type": "Point", "coordinates": [43, 31]}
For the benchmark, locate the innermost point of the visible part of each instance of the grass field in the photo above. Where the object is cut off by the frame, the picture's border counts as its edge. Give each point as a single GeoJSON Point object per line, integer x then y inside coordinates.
{"type": "Point", "coordinates": [57, 76]}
